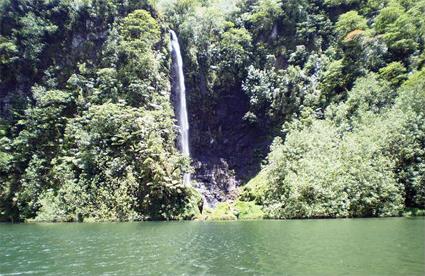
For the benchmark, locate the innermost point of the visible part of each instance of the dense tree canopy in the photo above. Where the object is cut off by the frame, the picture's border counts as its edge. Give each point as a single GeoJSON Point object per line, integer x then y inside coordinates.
{"type": "Point", "coordinates": [332, 75]}
{"type": "Point", "coordinates": [88, 131]}
{"type": "Point", "coordinates": [93, 134]}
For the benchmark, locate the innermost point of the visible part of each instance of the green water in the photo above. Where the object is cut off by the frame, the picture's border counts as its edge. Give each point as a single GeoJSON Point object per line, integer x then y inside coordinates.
{"type": "Point", "coordinates": [393, 246]}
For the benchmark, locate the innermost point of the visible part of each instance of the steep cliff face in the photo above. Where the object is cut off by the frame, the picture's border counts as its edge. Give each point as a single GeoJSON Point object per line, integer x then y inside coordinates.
{"type": "Point", "coordinates": [226, 149]}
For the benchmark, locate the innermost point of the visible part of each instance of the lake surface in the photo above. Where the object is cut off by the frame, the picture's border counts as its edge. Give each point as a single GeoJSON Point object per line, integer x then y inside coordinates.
{"type": "Point", "coordinates": [390, 246]}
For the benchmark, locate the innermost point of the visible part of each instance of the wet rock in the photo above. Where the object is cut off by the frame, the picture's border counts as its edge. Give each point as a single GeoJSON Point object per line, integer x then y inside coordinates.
{"type": "Point", "coordinates": [215, 181]}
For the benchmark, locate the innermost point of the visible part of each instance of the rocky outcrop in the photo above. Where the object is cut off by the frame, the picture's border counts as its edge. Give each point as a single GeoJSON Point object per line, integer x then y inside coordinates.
{"type": "Point", "coordinates": [215, 181]}
{"type": "Point", "coordinates": [227, 151]}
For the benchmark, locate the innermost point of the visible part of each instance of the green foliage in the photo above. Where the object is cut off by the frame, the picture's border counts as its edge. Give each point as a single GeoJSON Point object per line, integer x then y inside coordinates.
{"type": "Point", "coordinates": [394, 72]}
{"type": "Point", "coordinates": [350, 21]}
{"type": "Point", "coordinates": [233, 211]}
{"type": "Point", "coordinates": [414, 212]}
{"type": "Point", "coordinates": [139, 70]}
{"type": "Point", "coordinates": [32, 32]}
{"type": "Point", "coordinates": [341, 2]}
{"type": "Point", "coordinates": [330, 72]}
{"type": "Point", "coordinates": [264, 14]}
{"type": "Point", "coordinates": [248, 210]}
{"type": "Point", "coordinates": [255, 189]}
{"type": "Point", "coordinates": [334, 79]}
{"type": "Point", "coordinates": [398, 28]}
{"type": "Point", "coordinates": [8, 51]}
{"type": "Point", "coordinates": [360, 161]}
{"type": "Point", "coordinates": [4, 146]}
{"type": "Point", "coordinates": [259, 86]}
{"type": "Point", "coordinates": [122, 161]}
{"type": "Point", "coordinates": [329, 177]}
{"type": "Point", "coordinates": [234, 54]}
{"type": "Point", "coordinates": [87, 129]}
{"type": "Point", "coordinates": [369, 95]}
{"type": "Point", "coordinates": [96, 139]}
{"type": "Point", "coordinates": [408, 146]}
{"type": "Point", "coordinates": [5, 162]}
{"type": "Point", "coordinates": [223, 211]}
{"type": "Point", "coordinates": [140, 29]}
{"type": "Point", "coordinates": [281, 94]}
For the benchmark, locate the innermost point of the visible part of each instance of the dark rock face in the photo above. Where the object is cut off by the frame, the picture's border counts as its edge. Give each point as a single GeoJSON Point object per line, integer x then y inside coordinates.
{"type": "Point", "coordinates": [216, 181]}
{"type": "Point", "coordinates": [227, 151]}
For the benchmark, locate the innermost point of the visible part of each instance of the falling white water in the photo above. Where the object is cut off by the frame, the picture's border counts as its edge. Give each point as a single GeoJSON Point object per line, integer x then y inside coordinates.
{"type": "Point", "coordinates": [181, 93]}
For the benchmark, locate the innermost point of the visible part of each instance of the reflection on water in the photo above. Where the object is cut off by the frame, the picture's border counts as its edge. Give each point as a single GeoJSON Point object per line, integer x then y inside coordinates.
{"type": "Point", "coordinates": [393, 246]}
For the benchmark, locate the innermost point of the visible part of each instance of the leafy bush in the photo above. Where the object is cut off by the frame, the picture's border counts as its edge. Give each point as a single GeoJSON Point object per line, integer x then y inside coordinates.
{"type": "Point", "coordinates": [364, 159]}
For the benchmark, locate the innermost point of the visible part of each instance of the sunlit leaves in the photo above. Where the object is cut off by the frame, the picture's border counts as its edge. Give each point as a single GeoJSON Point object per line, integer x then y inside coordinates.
{"type": "Point", "coordinates": [350, 21]}
{"type": "Point", "coordinates": [140, 27]}
{"type": "Point", "coordinates": [398, 29]}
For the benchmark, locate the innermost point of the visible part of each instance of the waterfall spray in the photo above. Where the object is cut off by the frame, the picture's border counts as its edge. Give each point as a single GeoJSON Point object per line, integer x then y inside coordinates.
{"type": "Point", "coordinates": [181, 93]}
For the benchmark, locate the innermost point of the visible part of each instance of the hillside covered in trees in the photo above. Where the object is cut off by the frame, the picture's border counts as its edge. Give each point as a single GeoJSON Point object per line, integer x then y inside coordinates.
{"type": "Point", "coordinates": [297, 109]}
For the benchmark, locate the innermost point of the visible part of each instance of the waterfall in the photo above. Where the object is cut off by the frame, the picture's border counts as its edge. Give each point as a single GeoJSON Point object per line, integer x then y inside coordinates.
{"type": "Point", "coordinates": [180, 90]}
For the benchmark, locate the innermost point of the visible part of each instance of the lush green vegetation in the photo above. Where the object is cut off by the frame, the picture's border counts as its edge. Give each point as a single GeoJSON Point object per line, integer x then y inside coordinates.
{"type": "Point", "coordinates": [355, 143]}
{"type": "Point", "coordinates": [341, 86]}
{"type": "Point", "coordinates": [88, 129]}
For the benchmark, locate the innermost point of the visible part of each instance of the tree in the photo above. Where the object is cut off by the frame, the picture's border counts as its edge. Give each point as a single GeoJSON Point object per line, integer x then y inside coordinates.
{"type": "Point", "coordinates": [263, 15]}
{"type": "Point", "coordinates": [234, 54]}
{"type": "Point", "coordinates": [395, 72]}
{"type": "Point", "coordinates": [398, 29]}
{"type": "Point", "coordinates": [318, 174]}
{"type": "Point", "coordinates": [140, 29]}
{"type": "Point", "coordinates": [350, 21]}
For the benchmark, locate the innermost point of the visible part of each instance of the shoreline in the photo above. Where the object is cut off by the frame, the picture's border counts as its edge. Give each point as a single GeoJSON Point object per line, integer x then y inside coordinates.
{"type": "Point", "coordinates": [407, 213]}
